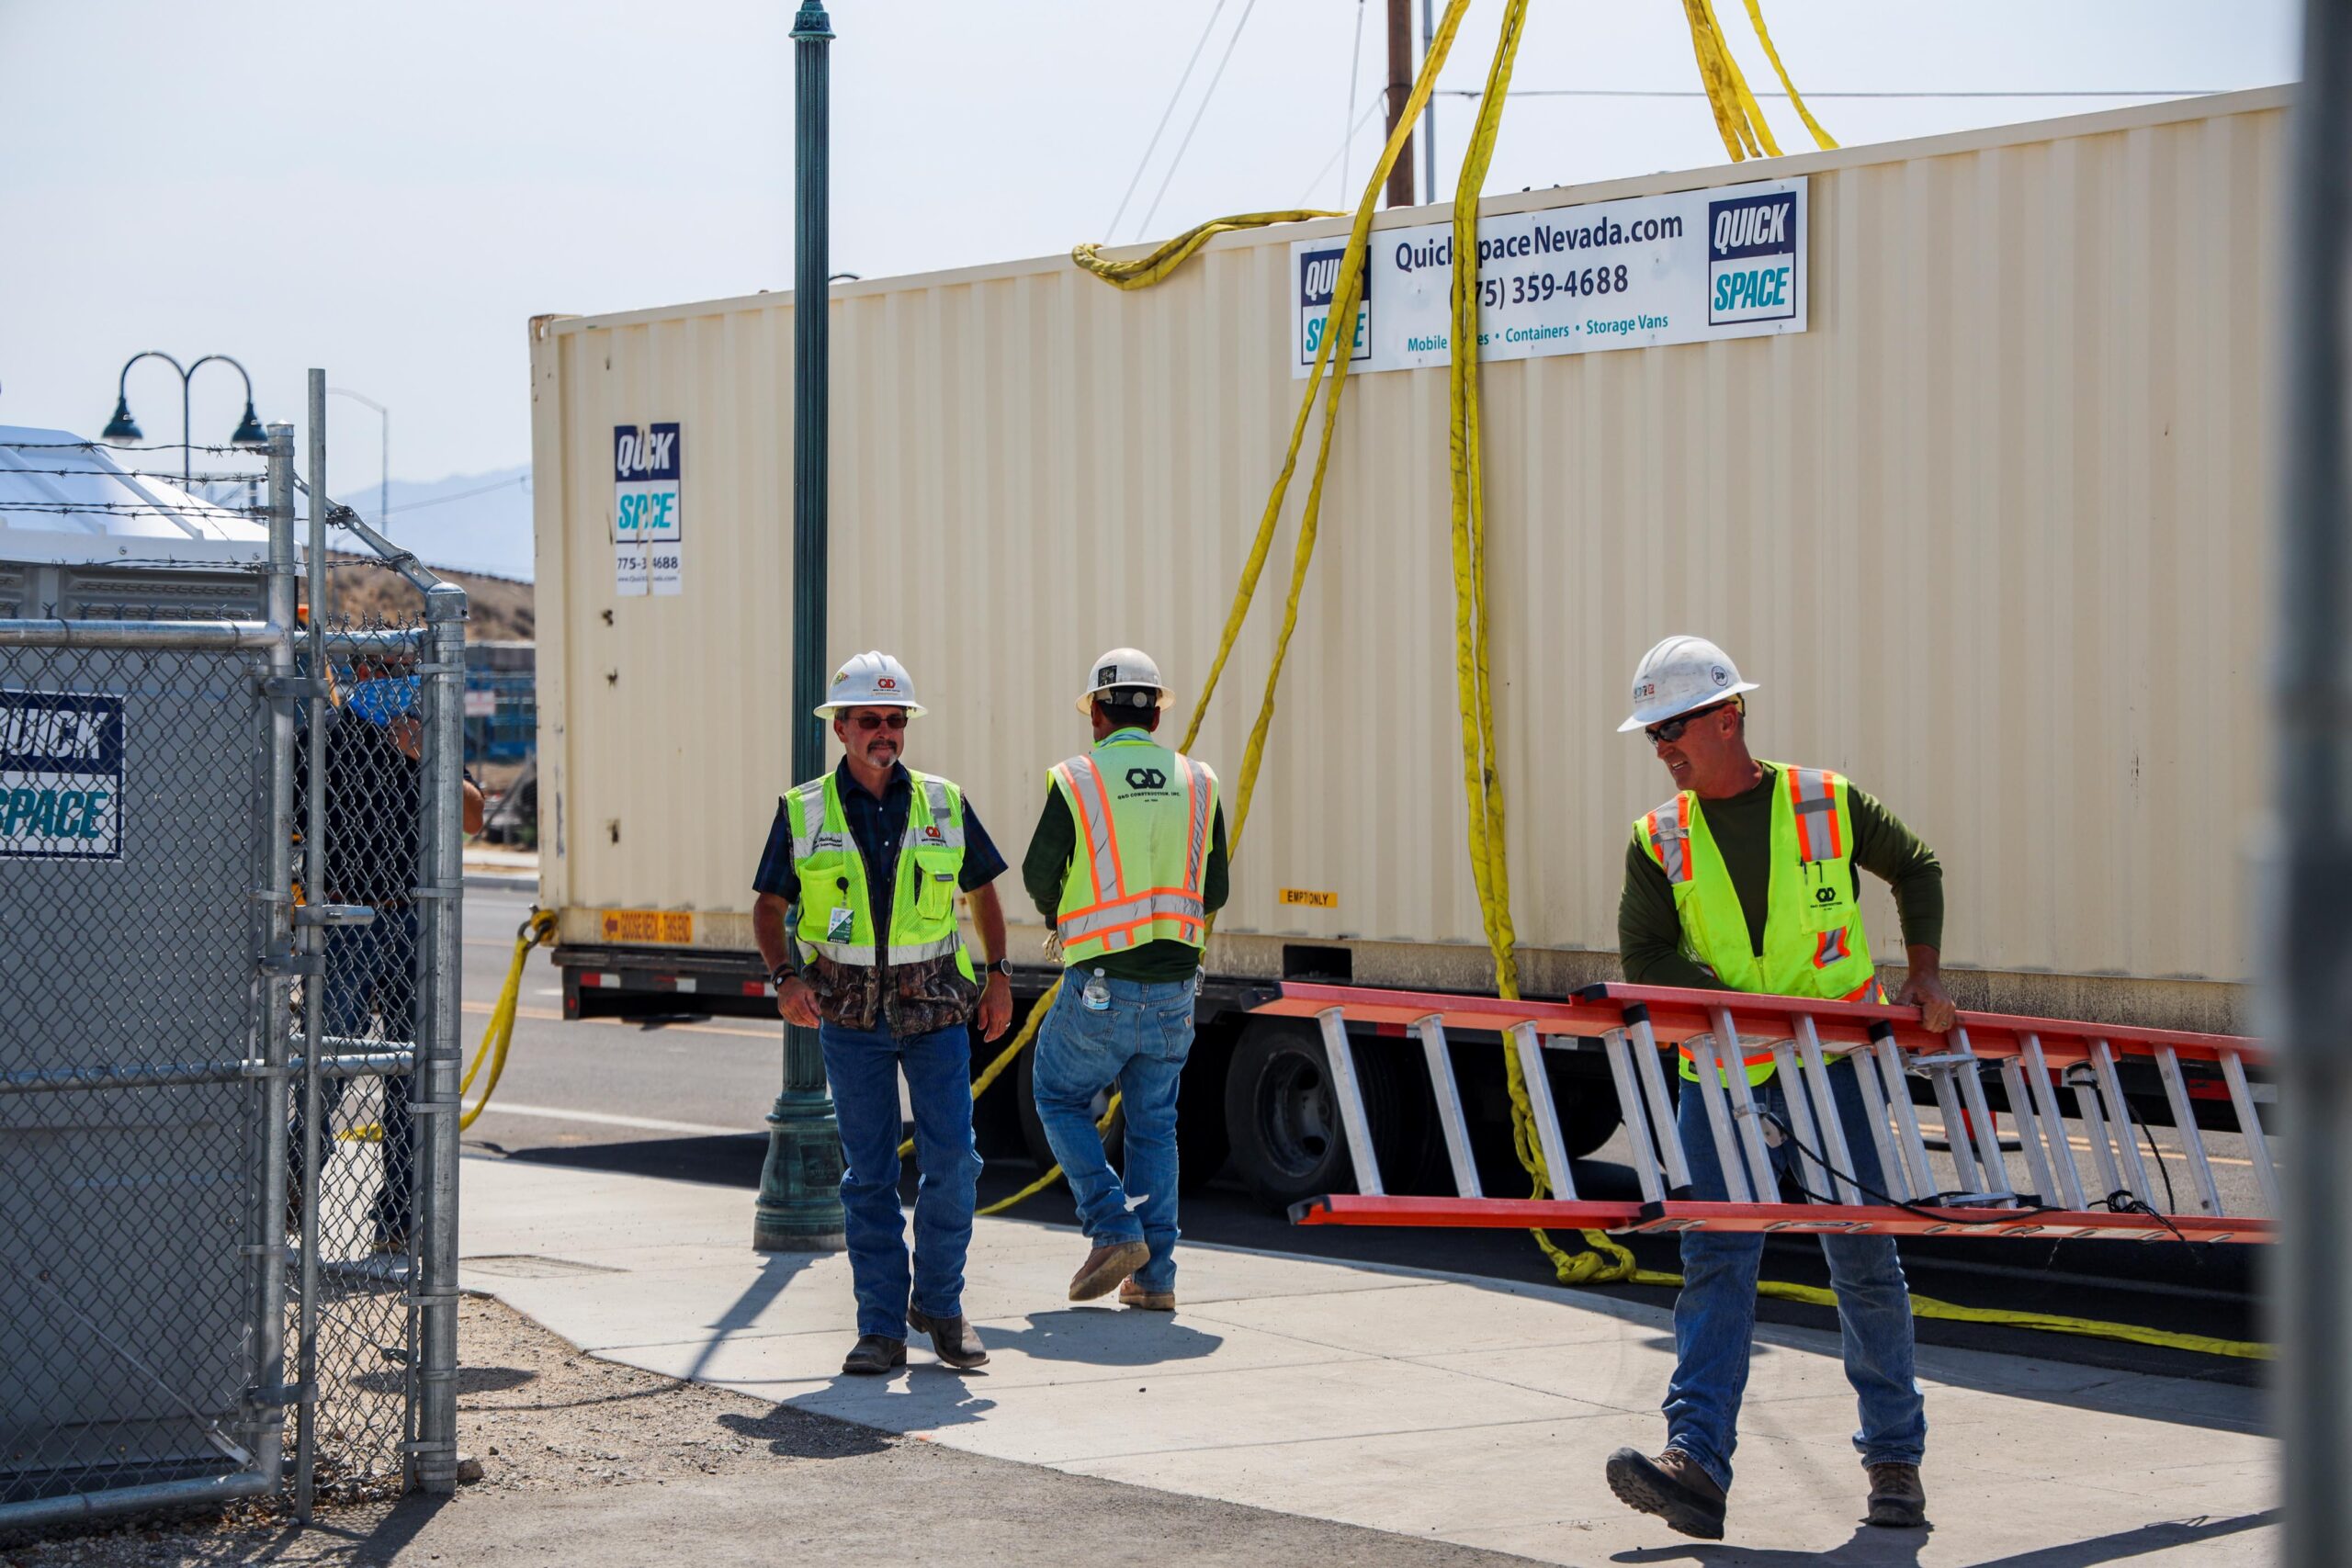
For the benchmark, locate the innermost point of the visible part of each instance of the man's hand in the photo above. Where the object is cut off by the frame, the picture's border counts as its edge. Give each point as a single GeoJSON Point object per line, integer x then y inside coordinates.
{"type": "Point", "coordinates": [996, 1006]}
{"type": "Point", "coordinates": [409, 736]}
{"type": "Point", "coordinates": [797, 1003]}
{"type": "Point", "coordinates": [1924, 988]}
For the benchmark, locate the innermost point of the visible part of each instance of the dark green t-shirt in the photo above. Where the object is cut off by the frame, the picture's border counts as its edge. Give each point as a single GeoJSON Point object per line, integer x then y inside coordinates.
{"type": "Point", "coordinates": [1047, 862]}
{"type": "Point", "coordinates": [1649, 933]}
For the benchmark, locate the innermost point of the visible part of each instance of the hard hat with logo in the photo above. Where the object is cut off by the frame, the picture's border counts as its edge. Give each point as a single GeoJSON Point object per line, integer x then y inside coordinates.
{"type": "Point", "coordinates": [1122, 667]}
{"type": "Point", "coordinates": [872, 680]}
{"type": "Point", "coordinates": [1680, 674]}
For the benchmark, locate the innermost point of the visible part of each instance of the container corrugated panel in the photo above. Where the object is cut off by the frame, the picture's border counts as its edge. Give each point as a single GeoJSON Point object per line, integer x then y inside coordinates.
{"type": "Point", "coordinates": [1990, 534]}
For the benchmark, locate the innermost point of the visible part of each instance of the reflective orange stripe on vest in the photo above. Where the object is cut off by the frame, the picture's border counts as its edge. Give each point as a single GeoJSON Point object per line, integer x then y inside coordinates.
{"type": "Point", "coordinates": [1815, 799]}
{"type": "Point", "coordinates": [1671, 840]}
{"type": "Point", "coordinates": [1116, 914]}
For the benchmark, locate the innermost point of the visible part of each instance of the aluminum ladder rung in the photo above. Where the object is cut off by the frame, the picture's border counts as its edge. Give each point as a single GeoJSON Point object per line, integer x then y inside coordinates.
{"type": "Point", "coordinates": [2208, 1192]}
{"type": "Point", "coordinates": [1895, 1167]}
{"type": "Point", "coordinates": [1448, 1094]}
{"type": "Point", "coordinates": [1349, 1092]}
{"type": "Point", "coordinates": [1622, 1073]}
{"type": "Point", "coordinates": [1989, 1159]}
{"type": "Point", "coordinates": [1826, 1114]}
{"type": "Point", "coordinates": [1913, 1147]}
{"type": "Point", "coordinates": [1649, 1067]}
{"type": "Point", "coordinates": [2052, 1121]}
{"type": "Point", "coordinates": [1529, 1044]}
{"type": "Point", "coordinates": [2258, 1143]}
{"type": "Point", "coordinates": [1747, 1115]}
{"type": "Point", "coordinates": [2127, 1143]}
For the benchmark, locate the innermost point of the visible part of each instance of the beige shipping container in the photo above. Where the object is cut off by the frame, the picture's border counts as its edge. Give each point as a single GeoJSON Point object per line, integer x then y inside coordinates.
{"type": "Point", "coordinates": [1990, 533]}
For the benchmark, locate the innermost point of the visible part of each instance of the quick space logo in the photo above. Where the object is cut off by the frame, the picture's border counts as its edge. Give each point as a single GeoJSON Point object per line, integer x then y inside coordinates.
{"type": "Point", "coordinates": [649, 522]}
{"type": "Point", "coordinates": [1752, 258]}
{"type": "Point", "coordinates": [61, 776]}
{"type": "Point", "coordinates": [1318, 281]}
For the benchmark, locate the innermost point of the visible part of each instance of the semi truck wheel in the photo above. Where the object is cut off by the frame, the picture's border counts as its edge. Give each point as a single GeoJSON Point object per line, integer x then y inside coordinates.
{"type": "Point", "coordinates": [1282, 1115]}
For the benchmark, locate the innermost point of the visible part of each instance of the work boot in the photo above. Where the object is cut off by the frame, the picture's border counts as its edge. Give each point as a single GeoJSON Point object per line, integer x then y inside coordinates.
{"type": "Point", "coordinates": [953, 1339]}
{"type": "Point", "coordinates": [1673, 1487]}
{"type": "Point", "coordinates": [875, 1354]}
{"type": "Point", "coordinates": [1105, 1267]}
{"type": "Point", "coordinates": [1133, 1296]}
{"type": "Point", "coordinates": [1897, 1500]}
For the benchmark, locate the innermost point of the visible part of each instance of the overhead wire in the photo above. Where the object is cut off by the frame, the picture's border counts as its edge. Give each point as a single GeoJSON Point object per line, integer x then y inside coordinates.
{"type": "Point", "coordinates": [1202, 108]}
{"type": "Point", "coordinates": [1165, 116]}
{"type": "Point", "coordinates": [1355, 71]}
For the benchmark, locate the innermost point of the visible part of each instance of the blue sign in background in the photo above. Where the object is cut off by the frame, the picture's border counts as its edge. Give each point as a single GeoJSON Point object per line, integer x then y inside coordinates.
{"type": "Point", "coordinates": [61, 776]}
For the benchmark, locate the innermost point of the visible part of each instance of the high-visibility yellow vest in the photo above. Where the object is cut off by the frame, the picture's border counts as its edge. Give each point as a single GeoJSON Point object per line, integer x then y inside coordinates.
{"type": "Point", "coordinates": [1815, 944]}
{"type": "Point", "coordinates": [1143, 816]}
{"type": "Point", "coordinates": [836, 912]}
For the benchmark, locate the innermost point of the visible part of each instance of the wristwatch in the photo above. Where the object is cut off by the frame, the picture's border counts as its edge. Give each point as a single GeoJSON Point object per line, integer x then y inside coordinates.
{"type": "Point", "coordinates": [783, 972]}
{"type": "Point", "coordinates": [1001, 966]}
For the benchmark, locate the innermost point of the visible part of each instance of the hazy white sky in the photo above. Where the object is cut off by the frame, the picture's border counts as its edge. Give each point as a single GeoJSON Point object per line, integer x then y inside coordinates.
{"type": "Point", "coordinates": [390, 191]}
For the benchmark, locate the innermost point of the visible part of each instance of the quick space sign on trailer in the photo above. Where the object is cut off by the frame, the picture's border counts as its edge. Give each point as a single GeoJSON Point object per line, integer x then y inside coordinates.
{"type": "Point", "coordinates": [61, 775]}
{"type": "Point", "coordinates": [648, 527]}
{"type": "Point", "coordinates": [1684, 268]}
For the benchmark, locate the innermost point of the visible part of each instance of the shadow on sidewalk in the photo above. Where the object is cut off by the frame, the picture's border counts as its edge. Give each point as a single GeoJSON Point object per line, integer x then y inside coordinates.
{"type": "Point", "coordinates": [1873, 1548]}
{"type": "Point", "coordinates": [1105, 1337]}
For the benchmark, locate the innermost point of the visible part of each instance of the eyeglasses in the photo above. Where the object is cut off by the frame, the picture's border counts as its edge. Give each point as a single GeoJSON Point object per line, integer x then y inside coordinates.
{"type": "Point", "coordinates": [1672, 730]}
{"type": "Point", "coordinates": [896, 719]}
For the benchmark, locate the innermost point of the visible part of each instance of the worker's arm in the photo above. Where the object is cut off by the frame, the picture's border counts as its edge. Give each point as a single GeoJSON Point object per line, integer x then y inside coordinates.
{"type": "Point", "coordinates": [1051, 844]}
{"type": "Point", "coordinates": [996, 996]}
{"type": "Point", "coordinates": [1214, 883]}
{"type": "Point", "coordinates": [1649, 932]}
{"type": "Point", "coordinates": [1887, 849]}
{"type": "Point", "coordinates": [473, 809]}
{"type": "Point", "coordinates": [777, 884]}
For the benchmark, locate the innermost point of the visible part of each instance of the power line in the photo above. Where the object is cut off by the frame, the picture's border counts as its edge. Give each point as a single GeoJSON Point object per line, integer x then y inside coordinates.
{"type": "Point", "coordinates": [1362, 120]}
{"type": "Point", "coordinates": [523, 479]}
{"type": "Point", "coordinates": [1647, 93]}
{"type": "Point", "coordinates": [1145, 161]}
{"type": "Point", "coordinates": [1355, 64]}
{"type": "Point", "coordinates": [1223, 62]}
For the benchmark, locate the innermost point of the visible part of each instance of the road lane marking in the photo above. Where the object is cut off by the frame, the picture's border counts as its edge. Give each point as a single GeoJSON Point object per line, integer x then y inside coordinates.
{"type": "Point", "coordinates": [609, 1119]}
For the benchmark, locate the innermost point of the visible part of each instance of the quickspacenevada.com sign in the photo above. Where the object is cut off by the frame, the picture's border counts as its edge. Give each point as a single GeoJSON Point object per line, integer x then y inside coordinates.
{"type": "Point", "coordinates": [1651, 270]}
{"type": "Point", "coordinates": [649, 509]}
{"type": "Point", "coordinates": [61, 776]}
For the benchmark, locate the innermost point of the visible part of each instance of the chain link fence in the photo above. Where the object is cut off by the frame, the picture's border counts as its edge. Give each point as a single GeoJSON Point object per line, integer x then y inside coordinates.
{"type": "Point", "coordinates": [228, 1029]}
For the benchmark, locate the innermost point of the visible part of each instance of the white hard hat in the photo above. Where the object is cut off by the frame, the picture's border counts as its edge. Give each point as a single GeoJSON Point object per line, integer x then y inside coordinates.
{"type": "Point", "coordinates": [1678, 676]}
{"type": "Point", "coordinates": [1121, 667]}
{"type": "Point", "coordinates": [872, 680]}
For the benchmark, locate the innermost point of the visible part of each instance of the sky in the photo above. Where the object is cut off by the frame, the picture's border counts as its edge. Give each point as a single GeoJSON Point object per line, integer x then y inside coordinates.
{"type": "Point", "coordinates": [392, 191]}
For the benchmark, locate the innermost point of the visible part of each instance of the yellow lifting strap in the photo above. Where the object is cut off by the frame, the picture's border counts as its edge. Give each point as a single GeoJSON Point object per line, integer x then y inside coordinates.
{"type": "Point", "coordinates": [538, 930]}
{"type": "Point", "coordinates": [1145, 271]}
{"type": "Point", "coordinates": [1740, 119]}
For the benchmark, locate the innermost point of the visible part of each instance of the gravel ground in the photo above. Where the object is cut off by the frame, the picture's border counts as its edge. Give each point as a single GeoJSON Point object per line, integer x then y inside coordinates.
{"type": "Point", "coordinates": [588, 1463]}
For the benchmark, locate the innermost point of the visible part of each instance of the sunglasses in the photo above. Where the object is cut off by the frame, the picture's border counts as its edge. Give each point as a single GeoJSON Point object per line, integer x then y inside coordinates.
{"type": "Point", "coordinates": [879, 720]}
{"type": "Point", "coordinates": [1672, 730]}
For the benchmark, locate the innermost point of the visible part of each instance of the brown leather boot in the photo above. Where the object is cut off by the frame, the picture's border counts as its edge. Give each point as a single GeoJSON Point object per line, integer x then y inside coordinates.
{"type": "Point", "coordinates": [1897, 1500]}
{"type": "Point", "coordinates": [1673, 1487]}
{"type": "Point", "coordinates": [875, 1354]}
{"type": "Point", "coordinates": [1133, 1296]}
{"type": "Point", "coordinates": [1105, 1267]}
{"type": "Point", "coordinates": [953, 1339]}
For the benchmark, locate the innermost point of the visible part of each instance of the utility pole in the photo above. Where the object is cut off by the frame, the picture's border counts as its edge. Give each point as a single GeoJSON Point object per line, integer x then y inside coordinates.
{"type": "Point", "coordinates": [799, 1208]}
{"type": "Point", "coordinates": [1429, 115]}
{"type": "Point", "coordinates": [1400, 88]}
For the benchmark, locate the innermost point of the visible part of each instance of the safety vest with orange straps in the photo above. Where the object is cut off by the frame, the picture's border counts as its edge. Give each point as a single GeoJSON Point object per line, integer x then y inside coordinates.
{"type": "Point", "coordinates": [1143, 816]}
{"type": "Point", "coordinates": [1813, 941]}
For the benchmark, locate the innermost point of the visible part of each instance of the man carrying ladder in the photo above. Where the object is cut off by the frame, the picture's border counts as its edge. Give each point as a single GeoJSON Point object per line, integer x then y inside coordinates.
{"type": "Point", "coordinates": [1748, 880]}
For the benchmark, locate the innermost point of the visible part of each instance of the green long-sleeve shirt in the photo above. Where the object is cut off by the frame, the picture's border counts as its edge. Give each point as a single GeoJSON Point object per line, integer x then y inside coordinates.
{"type": "Point", "coordinates": [1649, 933]}
{"type": "Point", "coordinates": [1047, 862]}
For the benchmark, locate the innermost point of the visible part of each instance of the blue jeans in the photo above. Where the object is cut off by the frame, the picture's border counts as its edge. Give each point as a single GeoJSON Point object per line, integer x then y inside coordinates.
{"type": "Point", "coordinates": [1137, 1043]}
{"type": "Point", "coordinates": [863, 1065]}
{"type": "Point", "coordinates": [1714, 1318]}
{"type": "Point", "coordinates": [370, 989]}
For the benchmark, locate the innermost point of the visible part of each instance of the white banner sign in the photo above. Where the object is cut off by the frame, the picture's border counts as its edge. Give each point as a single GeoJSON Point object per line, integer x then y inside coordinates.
{"type": "Point", "coordinates": [649, 526]}
{"type": "Point", "coordinates": [1639, 273]}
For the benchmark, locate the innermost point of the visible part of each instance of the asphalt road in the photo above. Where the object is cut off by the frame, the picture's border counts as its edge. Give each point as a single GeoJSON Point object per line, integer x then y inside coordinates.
{"type": "Point", "coordinates": [686, 1099]}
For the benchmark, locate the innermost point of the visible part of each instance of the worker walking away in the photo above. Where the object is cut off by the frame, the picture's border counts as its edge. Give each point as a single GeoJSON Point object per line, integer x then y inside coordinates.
{"type": "Point", "coordinates": [1128, 864]}
{"type": "Point", "coordinates": [1747, 879]}
{"type": "Point", "coordinates": [866, 862]}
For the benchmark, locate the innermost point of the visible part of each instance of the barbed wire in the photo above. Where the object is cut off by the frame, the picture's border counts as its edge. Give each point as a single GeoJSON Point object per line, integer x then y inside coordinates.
{"type": "Point", "coordinates": [143, 446]}
{"type": "Point", "coordinates": [124, 508]}
{"type": "Point", "coordinates": [226, 476]}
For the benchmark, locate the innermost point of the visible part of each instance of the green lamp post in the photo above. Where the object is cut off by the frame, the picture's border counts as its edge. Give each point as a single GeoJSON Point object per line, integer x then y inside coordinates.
{"type": "Point", "coordinates": [799, 1208]}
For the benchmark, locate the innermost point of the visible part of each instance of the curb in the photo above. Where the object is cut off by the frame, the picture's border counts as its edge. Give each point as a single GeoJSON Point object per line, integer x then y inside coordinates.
{"type": "Point", "coordinates": [505, 881]}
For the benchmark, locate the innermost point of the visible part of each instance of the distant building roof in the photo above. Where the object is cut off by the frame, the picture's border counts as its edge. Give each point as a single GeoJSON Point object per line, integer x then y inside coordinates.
{"type": "Point", "coordinates": [67, 501]}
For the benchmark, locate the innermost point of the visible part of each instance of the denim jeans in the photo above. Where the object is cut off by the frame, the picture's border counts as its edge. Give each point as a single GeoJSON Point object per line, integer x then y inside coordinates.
{"type": "Point", "coordinates": [1139, 1044]}
{"type": "Point", "coordinates": [863, 1065]}
{"type": "Point", "coordinates": [370, 989]}
{"type": "Point", "coordinates": [1714, 1318]}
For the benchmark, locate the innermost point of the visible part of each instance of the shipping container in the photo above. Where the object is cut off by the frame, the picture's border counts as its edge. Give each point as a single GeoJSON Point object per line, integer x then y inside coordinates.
{"type": "Point", "coordinates": [1985, 519]}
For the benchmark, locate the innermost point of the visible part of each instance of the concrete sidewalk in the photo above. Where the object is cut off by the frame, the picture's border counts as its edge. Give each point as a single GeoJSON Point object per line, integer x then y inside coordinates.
{"type": "Point", "coordinates": [1433, 1406]}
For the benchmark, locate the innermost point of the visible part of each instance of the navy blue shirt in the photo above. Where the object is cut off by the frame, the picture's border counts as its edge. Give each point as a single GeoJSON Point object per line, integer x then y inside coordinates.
{"type": "Point", "coordinates": [876, 826]}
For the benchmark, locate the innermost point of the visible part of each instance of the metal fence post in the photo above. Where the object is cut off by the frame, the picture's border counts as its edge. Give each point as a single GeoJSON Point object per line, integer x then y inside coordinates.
{"type": "Point", "coordinates": [274, 986]}
{"type": "Point", "coordinates": [437, 1047]}
{"type": "Point", "coordinates": [2308, 945]}
{"type": "Point", "coordinates": [312, 946]}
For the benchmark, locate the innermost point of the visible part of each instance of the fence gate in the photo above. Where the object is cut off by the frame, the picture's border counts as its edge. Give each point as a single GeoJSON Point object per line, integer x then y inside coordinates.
{"type": "Point", "coordinates": [230, 859]}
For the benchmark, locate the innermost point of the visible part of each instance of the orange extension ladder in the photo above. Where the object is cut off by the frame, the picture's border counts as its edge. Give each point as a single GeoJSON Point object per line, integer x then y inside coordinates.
{"type": "Point", "coordinates": [2036, 1058]}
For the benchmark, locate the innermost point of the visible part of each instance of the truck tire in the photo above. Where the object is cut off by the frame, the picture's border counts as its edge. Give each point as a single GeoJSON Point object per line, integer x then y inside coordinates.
{"type": "Point", "coordinates": [1283, 1121]}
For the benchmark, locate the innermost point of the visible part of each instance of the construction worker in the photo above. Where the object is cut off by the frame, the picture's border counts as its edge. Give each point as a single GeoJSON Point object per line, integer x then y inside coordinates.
{"type": "Point", "coordinates": [1748, 880]}
{"type": "Point", "coordinates": [1129, 898]}
{"type": "Point", "coordinates": [871, 857]}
